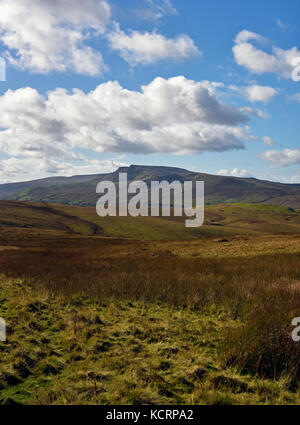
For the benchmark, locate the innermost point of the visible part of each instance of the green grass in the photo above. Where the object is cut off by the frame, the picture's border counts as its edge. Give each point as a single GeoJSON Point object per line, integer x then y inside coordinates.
{"type": "Point", "coordinates": [149, 312]}
{"type": "Point", "coordinates": [220, 220]}
{"type": "Point", "coordinates": [67, 351]}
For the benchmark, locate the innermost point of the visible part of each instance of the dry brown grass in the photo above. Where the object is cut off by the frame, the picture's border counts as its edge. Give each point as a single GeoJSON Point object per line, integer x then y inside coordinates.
{"type": "Point", "coordinates": [261, 293]}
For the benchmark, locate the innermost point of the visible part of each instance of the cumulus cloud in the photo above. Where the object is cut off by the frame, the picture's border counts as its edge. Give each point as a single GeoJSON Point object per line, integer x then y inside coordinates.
{"type": "Point", "coordinates": [256, 60]}
{"type": "Point", "coordinates": [255, 93]}
{"type": "Point", "coordinates": [246, 35]}
{"type": "Point", "coordinates": [174, 116]}
{"type": "Point", "coordinates": [283, 158]}
{"type": "Point", "coordinates": [236, 172]}
{"type": "Point", "coordinates": [44, 36]}
{"type": "Point", "coordinates": [144, 48]}
{"type": "Point", "coordinates": [260, 93]}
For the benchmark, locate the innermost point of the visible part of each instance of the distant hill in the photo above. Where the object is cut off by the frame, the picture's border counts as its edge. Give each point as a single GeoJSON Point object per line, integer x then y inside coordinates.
{"type": "Point", "coordinates": [81, 190]}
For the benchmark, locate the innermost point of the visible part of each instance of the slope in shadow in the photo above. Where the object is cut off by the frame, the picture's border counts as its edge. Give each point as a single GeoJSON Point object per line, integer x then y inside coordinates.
{"type": "Point", "coordinates": [26, 215]}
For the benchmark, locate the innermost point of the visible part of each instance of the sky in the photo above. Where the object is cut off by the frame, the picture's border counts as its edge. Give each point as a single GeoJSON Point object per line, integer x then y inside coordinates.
{"type": "Point", "coordinates": [210, 86]}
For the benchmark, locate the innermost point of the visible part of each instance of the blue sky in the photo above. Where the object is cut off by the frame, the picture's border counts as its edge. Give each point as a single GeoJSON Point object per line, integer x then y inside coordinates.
{"type": "Point", "coordinates": [207, 86]}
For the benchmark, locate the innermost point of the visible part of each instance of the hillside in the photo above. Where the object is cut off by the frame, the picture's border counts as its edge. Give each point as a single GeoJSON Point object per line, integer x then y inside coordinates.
{"type": "Point", "coordinates": [223, 220]}
{"type": "Point", "coordinates": [81, 190]}
{"type": "Point", "coordinates": [15, 214]}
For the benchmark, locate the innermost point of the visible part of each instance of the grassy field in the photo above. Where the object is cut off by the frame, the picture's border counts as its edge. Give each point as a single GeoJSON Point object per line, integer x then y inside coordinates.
{"type": "Point", "coordinates": [223, 219]}
{"type": "Point", "coordinates": [101, 313]}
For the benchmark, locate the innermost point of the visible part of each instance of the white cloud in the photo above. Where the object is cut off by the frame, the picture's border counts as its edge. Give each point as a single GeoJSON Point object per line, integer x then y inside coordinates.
{"type": "Point", "coordinates": [255, 93]}
{"type": "Point", "coordinates": [156, 9]}
{"type": "Point", "coordinates": [281, 24]}
{"type": "Point", "coordinates": [24, 169]}
{"type": "Point", "coordinates": [44, 36]}
{"type": "Point", "coordinates": [174, 116]}
{"type": "Point", "coordinates": [246, 35]}
{"type": "Point", "coordinates": [260, 93]}
{"type": "Point", "coordinates": [255, 111]}
{"type": "Point", "coordinates": [268, 141]}
{"type": "Point", "coordinates": [236, 172]}
{"type": "Point", "coordinates": [282, 158]}
{"type": "Point", "coordinates": [256, 60]}
{"type": "Point", "coordinates": [144, 48]}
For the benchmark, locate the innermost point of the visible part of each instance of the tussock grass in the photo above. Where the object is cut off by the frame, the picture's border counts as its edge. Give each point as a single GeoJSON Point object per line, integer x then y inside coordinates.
{"type": "Point", "coordinates": [112, 320]}
{"type": "Point", "coordinates": [82, 351]}
{"type": "Point", "coordinates": [262, 344]}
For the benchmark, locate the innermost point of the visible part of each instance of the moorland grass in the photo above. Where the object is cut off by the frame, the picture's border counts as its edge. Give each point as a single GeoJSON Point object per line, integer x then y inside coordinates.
{"type": "Point", "coordinates": [75, 350]}
{"type": "Point", "coordinates": [113, 320]}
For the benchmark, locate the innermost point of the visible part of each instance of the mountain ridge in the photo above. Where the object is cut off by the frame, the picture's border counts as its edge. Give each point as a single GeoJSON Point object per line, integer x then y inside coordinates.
{"type": "Point", "coordinates": [81, 189]}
